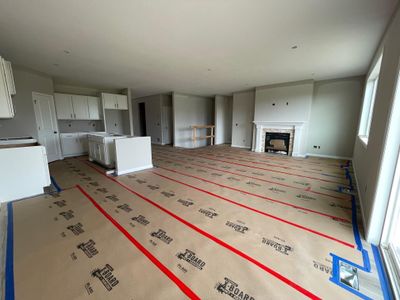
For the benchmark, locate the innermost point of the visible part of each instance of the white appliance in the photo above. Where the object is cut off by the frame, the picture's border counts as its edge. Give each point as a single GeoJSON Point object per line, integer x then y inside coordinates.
{"type": "Point", "coordinates": [102, 147]}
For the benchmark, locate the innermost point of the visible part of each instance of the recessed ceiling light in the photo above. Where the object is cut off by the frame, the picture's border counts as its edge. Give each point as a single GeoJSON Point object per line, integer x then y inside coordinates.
{"type": "Point", "coordinates": [294, 47]}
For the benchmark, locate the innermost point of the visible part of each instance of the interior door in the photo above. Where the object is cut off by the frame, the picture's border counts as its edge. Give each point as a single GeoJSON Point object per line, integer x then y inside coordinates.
{"type": "Point", "coordinates": [167, 124]}
{"type": "Point", "coordinates": [81, 108]}
{"type": "Point", "coordinates": [46, 123]}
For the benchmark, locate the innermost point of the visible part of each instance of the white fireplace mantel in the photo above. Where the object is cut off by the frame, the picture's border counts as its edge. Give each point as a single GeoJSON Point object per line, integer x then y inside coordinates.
{"type": "Point", "coordinates": [299, 140]}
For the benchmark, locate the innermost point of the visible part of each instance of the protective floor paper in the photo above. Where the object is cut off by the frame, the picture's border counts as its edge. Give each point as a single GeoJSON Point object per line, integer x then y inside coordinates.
{"type": "Point", "coordinates": [210, 223]}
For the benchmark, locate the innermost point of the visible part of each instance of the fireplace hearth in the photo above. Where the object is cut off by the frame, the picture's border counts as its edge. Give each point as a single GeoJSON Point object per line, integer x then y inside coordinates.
{"type": "Point", "coordinates": [277, 142]}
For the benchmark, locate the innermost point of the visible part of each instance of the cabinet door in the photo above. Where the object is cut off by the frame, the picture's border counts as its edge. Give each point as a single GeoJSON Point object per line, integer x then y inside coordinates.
{"type": "Point", "coordinates": [94, 108]}
{"type": "Point", "coordinates": [109, 101]}
{"type": "Point", "coordinates": [64, 106]}
{"type": "Point", "coordinates": [80, 105]}
{"type": "Point", "coordinates": [9, 77]}
{"type": "Point", "coordinates": [6, 107]}
{"type": "Point", "coordinates": [122, 102]}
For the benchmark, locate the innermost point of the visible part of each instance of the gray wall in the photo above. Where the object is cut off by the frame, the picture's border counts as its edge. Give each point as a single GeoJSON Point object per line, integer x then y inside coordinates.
{"type": "Point", "coordinates": [369, 167]}
{"type": "Point", "coordinates": [26, 82]}
{"type": "Point", "coordinates": [242, 119]}
{"type": "Point", "coordinates": [292, 102]}
{"type": "Point", "coordinates": [334, 116]}
{"type": "Point", "coordinates": [190, 110]}
{"type": "Point", "coordinates": [223, 119]}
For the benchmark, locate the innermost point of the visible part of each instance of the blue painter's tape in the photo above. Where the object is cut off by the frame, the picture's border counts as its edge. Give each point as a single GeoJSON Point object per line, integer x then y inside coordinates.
{"type": "Point", "coordinates": [54, 182]}
{"type": "Point", "coordinates": [9, 273]}
{"type": "Point", "coordinates": [366, 267]}
{"type": "Point", "coordinates": [381, 273]}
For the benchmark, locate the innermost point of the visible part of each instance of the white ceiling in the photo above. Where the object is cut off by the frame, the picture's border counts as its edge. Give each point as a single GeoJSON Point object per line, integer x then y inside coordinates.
{"type": "Point", "coordinates": [203, 47]}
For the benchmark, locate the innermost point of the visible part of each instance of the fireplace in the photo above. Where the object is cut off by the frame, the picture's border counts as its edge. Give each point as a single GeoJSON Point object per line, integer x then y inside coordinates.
{"type": "Point", "coordinates": [296, 131]}
{"type": "Point", "coordinates": [277, 142]}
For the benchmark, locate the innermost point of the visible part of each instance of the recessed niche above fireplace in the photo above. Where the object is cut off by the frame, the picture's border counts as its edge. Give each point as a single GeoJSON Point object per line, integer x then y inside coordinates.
{"type": "Point", "coordinates": [277, 142]}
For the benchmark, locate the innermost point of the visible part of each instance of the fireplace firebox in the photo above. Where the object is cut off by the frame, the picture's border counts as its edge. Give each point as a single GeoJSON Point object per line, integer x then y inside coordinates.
{"type": "Point", "coordinates": [277, 142]}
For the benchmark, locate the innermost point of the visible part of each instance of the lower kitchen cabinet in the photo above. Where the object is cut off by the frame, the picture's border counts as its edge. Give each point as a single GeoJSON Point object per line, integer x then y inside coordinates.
{"type": "Point", "coordinates": [74, 144]}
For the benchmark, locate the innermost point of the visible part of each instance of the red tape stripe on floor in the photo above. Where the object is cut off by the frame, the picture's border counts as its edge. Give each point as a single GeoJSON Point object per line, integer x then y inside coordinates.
{"type": "Point", "coordinates": [258, 196]}
{"type": "Point", "coordinates": [218, 241]}
{"type": "Point", "coordinates": [257, 178]}
{"type": "Point", "coordinates": [185, 289]}
{"type": "Point", "coordinates": [261, 212]}
{"type": "Point", "coordinates": [259, 168]}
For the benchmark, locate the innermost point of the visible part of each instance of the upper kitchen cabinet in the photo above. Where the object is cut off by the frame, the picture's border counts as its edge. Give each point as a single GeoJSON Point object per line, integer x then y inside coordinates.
{"type": "Point", "coordinates": [64, 107]}
{"type": "Point", "coordinates": [77, 107]}
{"type": "Point", "coordinates": [95, 111]}
{"type": "Point", "coordinates": [7, 88]}
{"type": "Point", "coordinates": [115, 101]}
{"type": "Point", "coordinates": [122, 102]}
{"type": "Point", "coordinates": [80, 106]}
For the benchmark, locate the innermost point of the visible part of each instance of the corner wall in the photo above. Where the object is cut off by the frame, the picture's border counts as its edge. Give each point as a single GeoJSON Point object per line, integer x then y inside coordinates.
{"type": "Point", "coordinates": [334, 117]}
{"type": "Point", "coordinates": [223, 120]}
{"type": "Point", "coordinates": [242, 119]}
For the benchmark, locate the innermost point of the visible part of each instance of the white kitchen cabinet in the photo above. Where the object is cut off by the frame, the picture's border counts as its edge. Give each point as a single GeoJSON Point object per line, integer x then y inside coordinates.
{"type": "Point", "coordinates": [94, 108]}
{"type": "Point", "coordinates": [6, 106]}
{"type": "Point", "coordinates": [109, 101]}
{"type": "Point", "coordinates": [74, 144]}
{"type": "Point", "coordinates": [80, 107]}
{"type": "Point", "coordinates": [115, 101]}
{"type": "Point", "coordinates": [64, 106]}
{"type": "Point", "coordinates": [122, 102]}
{"type": "Point", "coordinates": [9, 77]}
{"type": "Point", "coordinates": [77, 107]}
{"type": "Point", "coordinates": [83, 140]}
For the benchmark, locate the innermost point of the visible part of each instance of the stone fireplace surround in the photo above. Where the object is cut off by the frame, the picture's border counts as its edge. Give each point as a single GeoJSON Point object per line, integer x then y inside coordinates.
{"type": "Point", "coordinates": [296, 130]}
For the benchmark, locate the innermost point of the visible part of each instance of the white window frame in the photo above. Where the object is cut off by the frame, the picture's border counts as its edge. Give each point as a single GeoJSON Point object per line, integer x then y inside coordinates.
{"type": "Point", "coordinates": [369, 101]}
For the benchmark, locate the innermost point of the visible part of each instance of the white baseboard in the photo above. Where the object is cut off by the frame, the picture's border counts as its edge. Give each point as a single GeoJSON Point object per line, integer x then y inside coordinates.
{"type": "Point", "coordinates": [329, 156]}
{"type": "Point", "coordinates": [134, 170]}
{"type": "Point", "coordinates": [244, 147]}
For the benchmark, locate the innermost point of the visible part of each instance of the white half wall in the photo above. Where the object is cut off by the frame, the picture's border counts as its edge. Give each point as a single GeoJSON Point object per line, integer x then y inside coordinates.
{"type": "Point", "coordinates": [190, 110]}
{"type": "Point", "coordinates": [334, 117]}
{"type": "Point", "coordinates": [242, 119]}
{"type": "Point", "coordinates": [223, 119]}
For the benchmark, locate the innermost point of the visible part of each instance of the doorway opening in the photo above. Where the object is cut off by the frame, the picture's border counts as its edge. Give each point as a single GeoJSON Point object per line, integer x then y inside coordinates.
{"type": "Point", "coordinates": [142, 118]}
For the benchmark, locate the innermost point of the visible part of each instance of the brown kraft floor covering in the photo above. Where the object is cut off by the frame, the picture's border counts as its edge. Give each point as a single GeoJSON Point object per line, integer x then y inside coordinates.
{"type": "Point", "coordinates": [210, 223]}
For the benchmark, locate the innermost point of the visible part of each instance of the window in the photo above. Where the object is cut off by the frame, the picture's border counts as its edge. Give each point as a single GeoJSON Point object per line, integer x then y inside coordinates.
{"type": "Point", "coordinates": [369, 101]}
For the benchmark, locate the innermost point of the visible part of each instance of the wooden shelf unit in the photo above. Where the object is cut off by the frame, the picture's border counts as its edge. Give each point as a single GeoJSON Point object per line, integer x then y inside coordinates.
{"type": "Point", "coordinates": [195, 137]}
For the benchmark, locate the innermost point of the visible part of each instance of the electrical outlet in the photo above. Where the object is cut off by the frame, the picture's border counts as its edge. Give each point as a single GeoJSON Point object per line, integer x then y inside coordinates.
{"type": "Point", "coordinates": [319, 147]}
{"type": "Point", "coordinates": [315, 147]}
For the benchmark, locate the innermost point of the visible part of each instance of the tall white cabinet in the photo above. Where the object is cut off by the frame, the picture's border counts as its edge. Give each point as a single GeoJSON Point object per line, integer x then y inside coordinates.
{"type": "Point", "coordinates": [7, 88]}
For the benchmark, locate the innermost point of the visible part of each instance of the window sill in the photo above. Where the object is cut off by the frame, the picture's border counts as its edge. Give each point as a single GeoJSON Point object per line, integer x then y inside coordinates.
{"type": "Point", "coordinates": [364, 140]}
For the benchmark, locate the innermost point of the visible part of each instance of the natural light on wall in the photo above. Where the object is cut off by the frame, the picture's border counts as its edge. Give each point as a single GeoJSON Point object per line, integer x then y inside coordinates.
{"type": "Point", "coordinates": [369, 101]}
